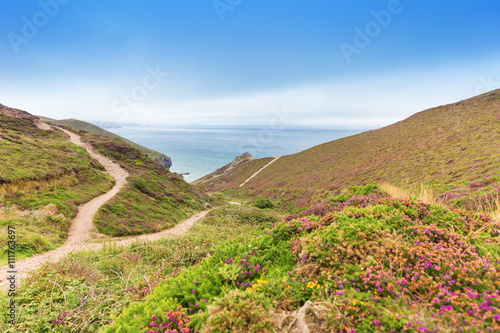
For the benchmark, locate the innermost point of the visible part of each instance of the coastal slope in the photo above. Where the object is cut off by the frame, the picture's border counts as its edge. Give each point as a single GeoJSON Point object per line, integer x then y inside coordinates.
{"type": "Point", "coordinates": [79, 125]}
{"type": "Point", "coordinates": [45, 179]}
{"type": "Point", "coordinates": [452, 149]}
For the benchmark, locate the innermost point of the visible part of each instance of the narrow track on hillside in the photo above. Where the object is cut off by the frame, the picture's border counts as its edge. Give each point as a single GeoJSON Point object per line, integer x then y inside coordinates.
{"type": "Point", "coordinates": [82, 225]}
{"type": "Point", "coordinates": [79, 233]}
{"type": "Point", "coordinates": [258, 171]}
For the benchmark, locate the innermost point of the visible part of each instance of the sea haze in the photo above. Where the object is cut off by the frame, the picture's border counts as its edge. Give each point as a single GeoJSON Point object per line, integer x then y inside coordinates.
{"type": "Point", "coordinates": [200, 151]}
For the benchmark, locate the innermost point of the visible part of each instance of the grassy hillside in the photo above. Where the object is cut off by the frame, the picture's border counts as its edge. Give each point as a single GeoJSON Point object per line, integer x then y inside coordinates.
{"type": "Point", "coordinates": [453, 149]}
{"type": "Point", "coordinates": [368, 263]}
{"type": "Point", "coordinates": [79, 125]}
{"type": "Point", "coordinates": [232, 174]}
{"type": "Point", "coordinates": [153, 200]}
{"type": "Point", "coordinates": [43, 180]}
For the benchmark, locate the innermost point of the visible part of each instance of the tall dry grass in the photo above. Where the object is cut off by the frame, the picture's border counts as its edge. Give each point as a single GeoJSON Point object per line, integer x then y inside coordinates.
{"type": "Point", "coordinates": [424, 193]}
{"type": "Point", "coordinates": [495, 214]}
{"type": "Point", "coordinates": [394, 191]}
{"type": "Point", "coordinates": [427, 195]}
{"type": "Point", "coordinates": [26, 186]}
{"type": "Point", "coordinates": [10, 212]}
{"type": "Point", "coordinates": [489, 204]}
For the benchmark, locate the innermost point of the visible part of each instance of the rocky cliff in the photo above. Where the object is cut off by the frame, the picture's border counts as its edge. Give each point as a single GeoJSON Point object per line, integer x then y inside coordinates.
{"type": "Point", "coordinates": [164, 160]}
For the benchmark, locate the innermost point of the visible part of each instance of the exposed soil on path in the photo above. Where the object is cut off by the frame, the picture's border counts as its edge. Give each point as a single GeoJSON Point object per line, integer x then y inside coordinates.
{"type": "Point", "coordinates": [79, 236]}
{"type": "Point", "coordinates": [82, 223]}
{"type": "Point", "coordinates": [82, 226]}
{"type": "Point", "coordinates": [258, 171]}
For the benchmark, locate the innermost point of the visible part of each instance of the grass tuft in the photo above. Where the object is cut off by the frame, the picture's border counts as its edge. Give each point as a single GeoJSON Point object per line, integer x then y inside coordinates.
{"type": "Point", "coordinates": [423, 193]}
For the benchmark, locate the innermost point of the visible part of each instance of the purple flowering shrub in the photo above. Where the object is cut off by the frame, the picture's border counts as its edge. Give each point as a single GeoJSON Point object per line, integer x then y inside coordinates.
{"type": "Point", "coordinates": [376, 264]}
{"type": "Point", "coordinates": [173, 321]}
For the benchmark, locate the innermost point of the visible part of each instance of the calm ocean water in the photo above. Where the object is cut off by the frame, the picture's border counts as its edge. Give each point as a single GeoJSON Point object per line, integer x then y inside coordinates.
{"type": "Point", "coordinates": [200, 151]}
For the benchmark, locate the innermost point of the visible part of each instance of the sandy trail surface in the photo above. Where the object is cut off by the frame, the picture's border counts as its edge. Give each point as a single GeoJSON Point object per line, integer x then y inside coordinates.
{"type": "Point", "coordinates": [79, 233]}
{"type": "Point", "coordinates": [82, 223]}
{"type": "Point", "coordinates": [258, 171]}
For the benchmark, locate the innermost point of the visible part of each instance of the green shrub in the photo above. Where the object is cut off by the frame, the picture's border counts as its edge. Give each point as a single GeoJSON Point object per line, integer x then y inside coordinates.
{"type": "Point", "coordinates": [363, 190]}
{"type": "Point", "coordinates": [263, 203]}
{"type": "Point", "coordinates": [233, 265]}
{"type": "Point", "coordinates": [340, 198]}
{"type": "Point", "coordinates": [239, 311]}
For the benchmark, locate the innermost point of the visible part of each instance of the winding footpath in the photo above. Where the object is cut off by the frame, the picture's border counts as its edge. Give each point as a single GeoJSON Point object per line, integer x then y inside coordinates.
{"type": "Point", "coordinates": [82, 225]}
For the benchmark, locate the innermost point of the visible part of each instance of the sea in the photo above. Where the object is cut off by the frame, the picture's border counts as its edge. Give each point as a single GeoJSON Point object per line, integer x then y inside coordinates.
{"type": "Point", "coordinates": [198, 151]}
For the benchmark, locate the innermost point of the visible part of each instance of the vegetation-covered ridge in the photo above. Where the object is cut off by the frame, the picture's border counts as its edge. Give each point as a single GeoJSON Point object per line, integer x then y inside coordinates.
{"type": "Point", "coordinates": [154, 199]}
{"type": "Point", "coordinates": [43, 180]}
{"type": "Point", "coordinates": [232, 174]}
{"type": "Point", "coordinates": [364, 263]}
{"type": "Point", "coordinates": [79, 125]}
{"type": "Point", "coordinates": [454, 150]}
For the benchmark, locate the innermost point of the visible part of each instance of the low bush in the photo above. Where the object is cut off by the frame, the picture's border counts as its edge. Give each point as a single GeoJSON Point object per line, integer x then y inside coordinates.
{"type": "Point", "coordinates": [373, 263]}
{"type": "Point", "coordinates": [239, 311]}
{"type": "Point", "coordinates": [83, 292]}
{"type": "Point", "coordinates": [263, 203]}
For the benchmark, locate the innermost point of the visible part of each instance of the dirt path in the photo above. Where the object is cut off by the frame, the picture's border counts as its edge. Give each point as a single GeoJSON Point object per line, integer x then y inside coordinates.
{"type": "Point", "coordinates": [82, 225]}
{"type": "Point", "coordinates": [79, 233]}
{"type": "Point", "coordinates": [258, 171]}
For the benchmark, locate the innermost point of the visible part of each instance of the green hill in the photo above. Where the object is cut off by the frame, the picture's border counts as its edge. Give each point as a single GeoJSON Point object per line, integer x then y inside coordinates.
{"type": "Point", "coordinates": [451, 149]}
{"type": "Point", "coordinates": [41, 169]}
{"type": "Point", "coordinates": [153, 200]}
{"type": "Point", "coordinates": [79, 125]}
{"type": "Point", "coordinates": [363, 263]}
{"type": "Point", "coordinates": [232, 174]}
{"type": "Point", "coordinates": [366, 263]}
{"type": "Point", "coordinates": [44, 178]}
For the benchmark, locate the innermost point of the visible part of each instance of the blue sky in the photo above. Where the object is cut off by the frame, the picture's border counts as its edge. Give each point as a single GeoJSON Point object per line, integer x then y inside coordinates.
{"type": "Point", "coordinates": [337, 64]}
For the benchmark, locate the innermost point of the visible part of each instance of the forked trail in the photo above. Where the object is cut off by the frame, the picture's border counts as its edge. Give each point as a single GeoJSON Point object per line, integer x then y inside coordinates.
{"type": "Point", "coordinates": [81, 227]}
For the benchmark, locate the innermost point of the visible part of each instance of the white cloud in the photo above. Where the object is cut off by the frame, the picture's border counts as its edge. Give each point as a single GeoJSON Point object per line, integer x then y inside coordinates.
{"type": "Point", "coordinates": [355, 102]}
